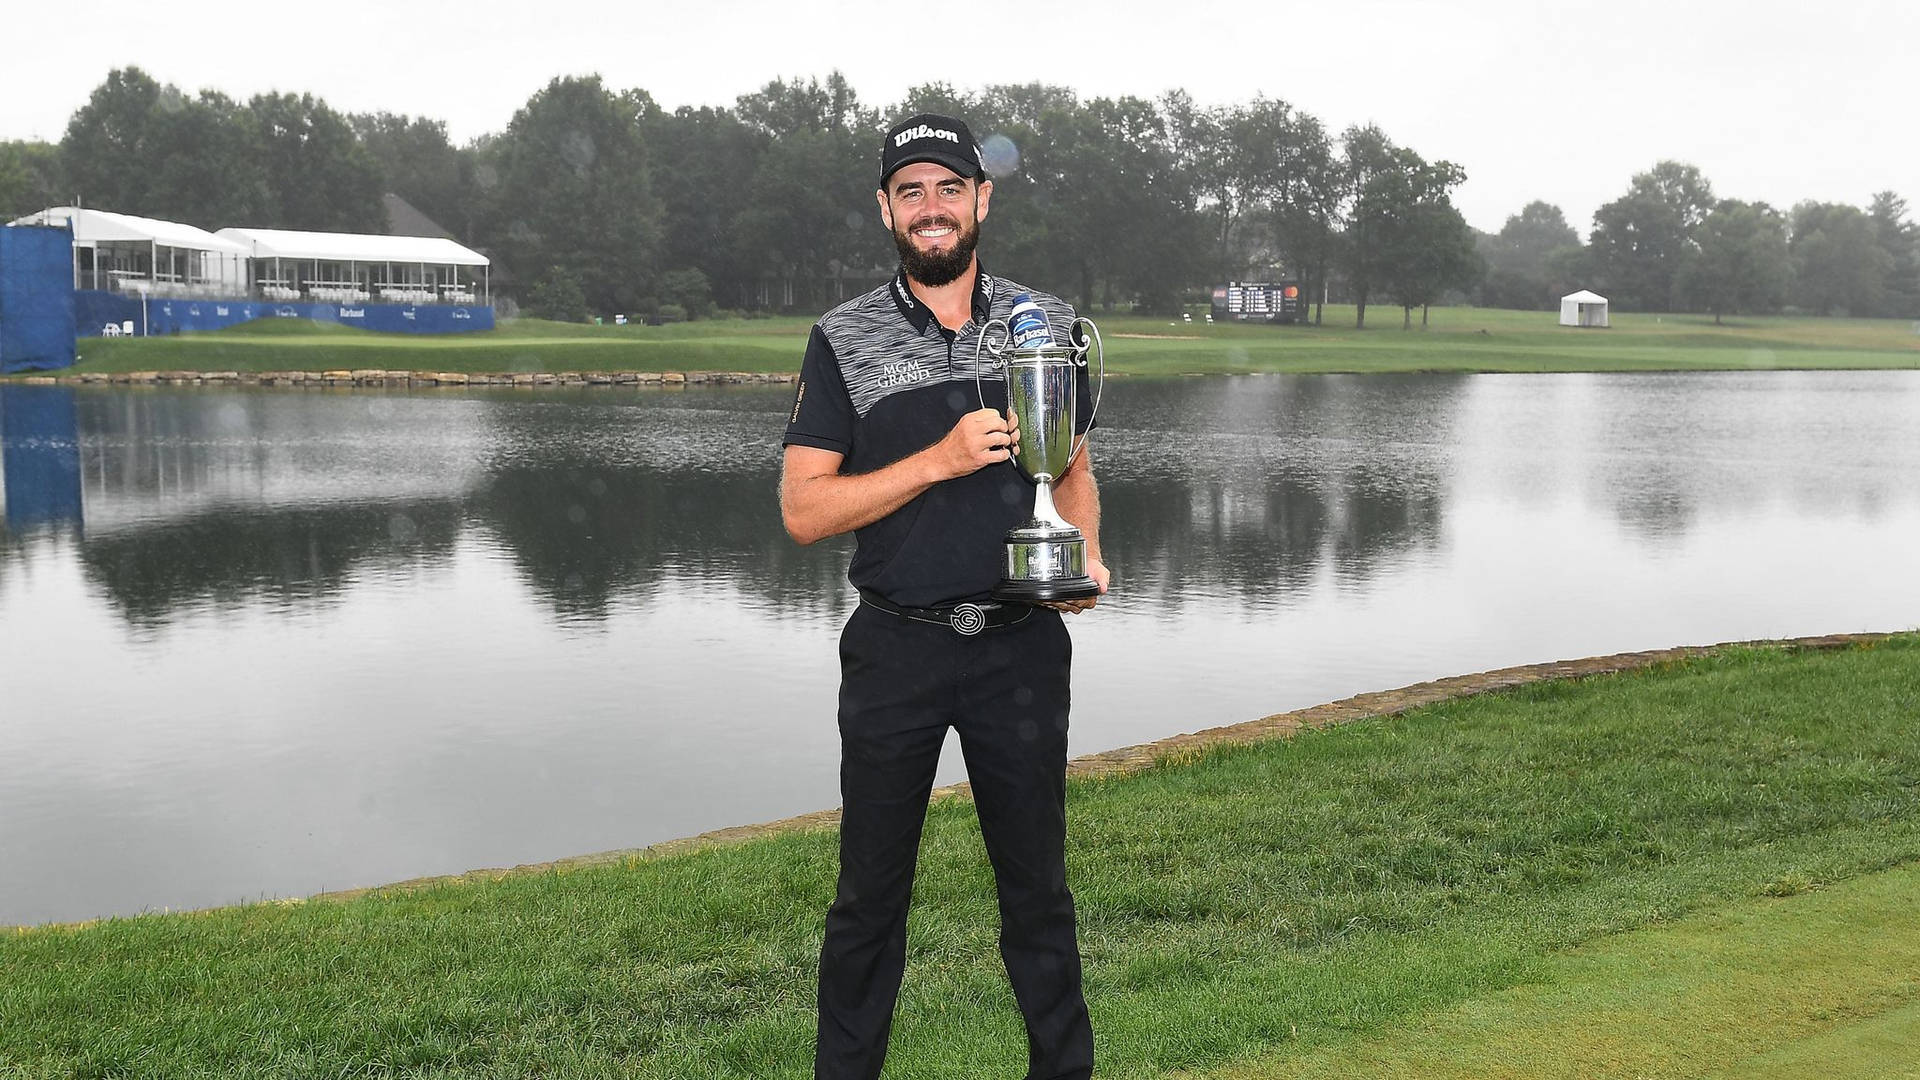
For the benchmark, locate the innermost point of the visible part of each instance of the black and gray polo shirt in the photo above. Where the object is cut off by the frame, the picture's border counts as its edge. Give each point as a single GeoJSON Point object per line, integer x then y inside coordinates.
{"type": "Point", "coordinates": [882, 379]}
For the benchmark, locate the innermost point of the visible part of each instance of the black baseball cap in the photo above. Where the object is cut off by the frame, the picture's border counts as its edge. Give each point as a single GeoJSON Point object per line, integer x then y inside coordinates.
{"type": "Point", "coordinates": [942, 140]}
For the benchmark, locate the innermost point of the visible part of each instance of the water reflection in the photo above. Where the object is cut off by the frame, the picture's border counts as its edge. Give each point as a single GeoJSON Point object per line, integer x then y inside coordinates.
{"type": "Point", "coordinates": [270, 642]}
{"type": "Point", "coordinates": [40, 459]}
{"type": "Point", "coordinates": [290, 561]}
{"type": "Point", "coordinates": [1248, 485]}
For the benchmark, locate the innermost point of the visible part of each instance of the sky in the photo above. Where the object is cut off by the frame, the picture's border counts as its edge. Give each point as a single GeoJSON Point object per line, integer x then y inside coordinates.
{"type": "Point", "coordinates": [1779, 102]}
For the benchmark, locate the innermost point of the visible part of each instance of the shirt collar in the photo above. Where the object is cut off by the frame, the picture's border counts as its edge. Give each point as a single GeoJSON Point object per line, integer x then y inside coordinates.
{"type": "Point", "coordinates": [920, 317]}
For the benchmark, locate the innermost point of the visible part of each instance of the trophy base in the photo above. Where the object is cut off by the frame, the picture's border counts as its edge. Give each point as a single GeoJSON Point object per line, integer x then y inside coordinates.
{"type": "Point", "coordinates": [1046, 592]}
{"type": "Point", "coordinates": [1045, 563]}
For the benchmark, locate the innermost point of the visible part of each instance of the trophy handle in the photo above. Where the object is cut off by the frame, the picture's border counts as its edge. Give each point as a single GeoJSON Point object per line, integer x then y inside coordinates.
{"type": "Point", "coordinates": [1099, 388]}
{"type": "Point", "coordinates": [998, 350]}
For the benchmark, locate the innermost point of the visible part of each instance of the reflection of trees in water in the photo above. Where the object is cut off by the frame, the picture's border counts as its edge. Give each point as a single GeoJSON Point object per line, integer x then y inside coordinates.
{"type": "Point", "coordinates": [1382, 523]}
{"type": "Point", "coordinates": [582, 538]}
{"type": "Point", "coordinates": [1659, 454]}
{"type": "Point", "coordinates": [584, 535]}
{"type": "Point", "coordinates": [235, 557]}
{"type": "Point", "coordinates": [597, 507]}
{"type": "Point", "coordinates": [1250, 487]}
{"type": "Point", "coordinates": [229, 499]}
{"type": "Point", "coordinates": [598, 502]}
{"type": "Point", "coordinates": [1171, 538]}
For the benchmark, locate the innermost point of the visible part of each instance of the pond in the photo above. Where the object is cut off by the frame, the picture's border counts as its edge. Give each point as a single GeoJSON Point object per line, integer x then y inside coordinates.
{"type": "Point", "coordinates": [266, 643]}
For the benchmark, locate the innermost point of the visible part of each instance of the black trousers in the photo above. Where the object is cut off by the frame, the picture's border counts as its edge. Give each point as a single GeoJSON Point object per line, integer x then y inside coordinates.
{"type": "Point", "coordinates": [1006, 692]}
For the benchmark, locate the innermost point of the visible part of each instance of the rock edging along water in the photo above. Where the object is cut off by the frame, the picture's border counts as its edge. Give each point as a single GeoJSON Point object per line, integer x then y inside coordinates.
{"type": "Point", "coordinates": [1180, 748]}
{"type": "Point", "coordinates": [406, 378]}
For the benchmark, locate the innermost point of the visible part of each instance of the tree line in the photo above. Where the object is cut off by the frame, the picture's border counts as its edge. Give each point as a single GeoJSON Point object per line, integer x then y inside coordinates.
{"type": "Point", "coordinates": [1669, 244]}
{"type": "Point", "coordinates": [594, 200]}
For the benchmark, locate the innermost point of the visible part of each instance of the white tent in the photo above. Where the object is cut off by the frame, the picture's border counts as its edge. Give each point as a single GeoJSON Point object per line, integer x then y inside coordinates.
{"type": "Point", "coordinates": [128, 253]}
{"type": "Point", "coordinates": [361, 266]}
{"type": "Point", "coordinates": [1583, 308]}
{"type": "Point", "coordinates": [353, 247]}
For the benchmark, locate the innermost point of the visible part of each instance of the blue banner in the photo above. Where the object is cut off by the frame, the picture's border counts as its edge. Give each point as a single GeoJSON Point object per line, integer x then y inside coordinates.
{"type": "Point", "coordinates": [100, 313]}
{"type": "Point", "coordinates": [36, 298]}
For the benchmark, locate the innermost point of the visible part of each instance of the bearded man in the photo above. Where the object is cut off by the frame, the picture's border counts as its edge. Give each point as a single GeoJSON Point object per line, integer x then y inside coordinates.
{"type": "Point", "coordinates": [887, 441]}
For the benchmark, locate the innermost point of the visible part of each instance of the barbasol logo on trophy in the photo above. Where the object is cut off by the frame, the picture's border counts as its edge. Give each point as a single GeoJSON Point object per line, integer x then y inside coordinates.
{"type": "Point", "coordinates": [1028, 325]}
{"type": "Point", "coordinates": [923, 132]}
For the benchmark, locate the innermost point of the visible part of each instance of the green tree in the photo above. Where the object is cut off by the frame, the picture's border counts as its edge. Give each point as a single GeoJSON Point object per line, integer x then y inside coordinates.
{"type": "Point", "coordinates": [29, 178]}
{"type": "Point", "coordinates": [1387, 227]}
{"type": "Point", "coordinates": [567, 185]}
{"type": "Point", "coordinates": [280, 161]}
{"type": "Point", "coordinates": [1742, 265]}
{"type": "Point", "coordinates": [1520, 259]}
{"type": "Point", "coordinates": [417, 163]}
{"type": "Point", "coordinates": [781, 107]}
{"type": "Point", "coordinates": [1240, 160]}
{"type": "Point", "coordinates": [138, 147]}
{"type": "Point", "coordinates": [1307, 214]}
{"type": "Point", "coordinates": [697, 156]}
{"type": "Point", "coordinates": [1368, 173]}
{"type": "Point", "coordinates": [1641, 240]}
{"type": "Point", "coordinates": [1901, 242]}
{"type": "Point", "coordinates": [316, 174]}
{"type": "Point", "coordinates": [113, 140]}
{"type": "Point", "coordinates": [1133, 208]}
{"type": "Point", "coordinates": [1432, 253]}
{"type": "Point", "coordinates": [1839, 265]}
{"type": "Point", "coordinates": [808, 221]}
{"type": "Point", "coordinates": [205, 171]}
{"type": "Point", "coordinates": [557, 295]}
{"type": "Point", "coordinates": [688, 290]}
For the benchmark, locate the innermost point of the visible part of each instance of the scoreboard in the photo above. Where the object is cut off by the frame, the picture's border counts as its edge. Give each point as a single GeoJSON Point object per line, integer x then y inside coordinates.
{"type": "Point", "coordinates": [1265, 301]}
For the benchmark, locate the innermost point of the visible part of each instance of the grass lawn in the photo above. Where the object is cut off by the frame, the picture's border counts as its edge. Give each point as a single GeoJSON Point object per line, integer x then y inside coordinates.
{"type": "Point", "coordinates": [1818, 985]}
{"type": "Point", "coordinates": [1669, 872]}
{"type": "Point", "coordinates": [1458, 339]}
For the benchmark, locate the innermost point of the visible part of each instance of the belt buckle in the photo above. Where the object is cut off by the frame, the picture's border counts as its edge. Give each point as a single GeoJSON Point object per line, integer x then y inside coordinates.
{"type": "Point", "coordinates": [968, 619]}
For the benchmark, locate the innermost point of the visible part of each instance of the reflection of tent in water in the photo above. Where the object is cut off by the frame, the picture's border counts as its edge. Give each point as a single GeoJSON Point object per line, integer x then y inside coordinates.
{"type": "Point", "coordinates": [1583, 308]}
{"type": "Point", "coordinates": [39, 456]}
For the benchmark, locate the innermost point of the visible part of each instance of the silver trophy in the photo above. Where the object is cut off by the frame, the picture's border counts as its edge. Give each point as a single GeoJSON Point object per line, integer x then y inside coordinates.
{"type": "Point", "coordinates": [1047, 556]}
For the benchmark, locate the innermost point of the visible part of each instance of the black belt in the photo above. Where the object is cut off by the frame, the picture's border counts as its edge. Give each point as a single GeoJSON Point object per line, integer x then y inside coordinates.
{"type": "Point", "coordinates": [965, 619]}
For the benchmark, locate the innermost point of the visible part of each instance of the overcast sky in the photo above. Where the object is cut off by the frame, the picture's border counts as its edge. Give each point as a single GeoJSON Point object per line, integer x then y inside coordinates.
{"type": "Point", "coordinates": [1563, 102]}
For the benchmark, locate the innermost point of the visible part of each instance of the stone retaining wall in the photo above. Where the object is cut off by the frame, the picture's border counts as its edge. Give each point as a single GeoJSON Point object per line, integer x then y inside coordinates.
{"type": "Point", "coordinates": [389, 378]}
{"type": "Point", "coordinates": [1187, 747]}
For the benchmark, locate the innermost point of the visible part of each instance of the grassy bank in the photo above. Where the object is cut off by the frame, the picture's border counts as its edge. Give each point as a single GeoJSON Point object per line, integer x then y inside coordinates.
{"type": "Point", "coordinates": [1817, 985]}
{"type": "Point", "coordinates": [1459, 339]}
{"type": "Point", "coordinates": [1243, 910]}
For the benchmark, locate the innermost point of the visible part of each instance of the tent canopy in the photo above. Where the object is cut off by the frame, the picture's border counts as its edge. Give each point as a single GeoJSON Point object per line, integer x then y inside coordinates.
{"type": "Point", "coordinates": [352, 247]}
{"type": "Point", "coordinates": [1583, 308]}
{"type": "Point", "coordinates": [95, 226]}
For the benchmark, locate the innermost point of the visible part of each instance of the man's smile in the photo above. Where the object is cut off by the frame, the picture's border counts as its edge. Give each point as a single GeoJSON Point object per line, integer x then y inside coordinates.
{"type": "Point", "coordinates": [934, 230]}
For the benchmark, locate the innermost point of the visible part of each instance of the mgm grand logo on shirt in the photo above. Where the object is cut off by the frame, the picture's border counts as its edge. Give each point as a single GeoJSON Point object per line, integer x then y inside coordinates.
{"type": "Point", "coordinates": [900, 373]}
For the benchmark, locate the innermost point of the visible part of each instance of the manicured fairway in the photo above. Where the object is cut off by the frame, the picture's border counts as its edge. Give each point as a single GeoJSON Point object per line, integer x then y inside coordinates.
{"type": "Point", "coordinates": [1459, 339]}
{"type": "Point", "coordinates": [1820, 985]}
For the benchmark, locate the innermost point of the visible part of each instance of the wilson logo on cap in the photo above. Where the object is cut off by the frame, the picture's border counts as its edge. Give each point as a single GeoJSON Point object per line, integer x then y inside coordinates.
{"type": "Point", "coordinates": [923, 132]}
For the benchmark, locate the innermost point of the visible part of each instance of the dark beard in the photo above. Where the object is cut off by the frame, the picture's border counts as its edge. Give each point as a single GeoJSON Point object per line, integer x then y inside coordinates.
{"type": "Point", "coordinates": [937, 268]}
